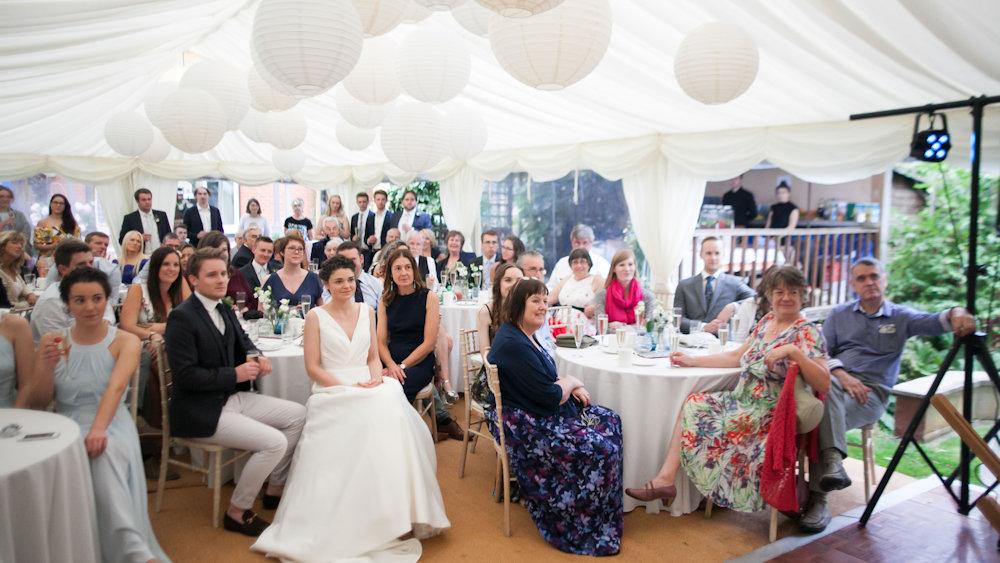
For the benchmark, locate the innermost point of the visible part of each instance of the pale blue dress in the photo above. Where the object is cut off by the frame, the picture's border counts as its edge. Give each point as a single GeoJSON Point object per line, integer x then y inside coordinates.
{"type": "Point", "coordinates": [118, 477]}
{"type": "Point", "coordinates": [8, 374]}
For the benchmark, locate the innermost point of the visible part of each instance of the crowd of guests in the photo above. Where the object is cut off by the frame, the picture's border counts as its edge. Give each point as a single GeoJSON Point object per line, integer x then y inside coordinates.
{"type": "Point", "coordinates": [373, 340]}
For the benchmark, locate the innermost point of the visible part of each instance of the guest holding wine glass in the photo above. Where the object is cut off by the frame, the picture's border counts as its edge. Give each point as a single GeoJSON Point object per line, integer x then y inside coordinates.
{"type": "Point", "coordinates": [132, 259]}
{"type": "Point", "coordinates": [578, 289]}
{"type": "Point", "coordinates": [293, 281]}
{"type": "Point", "coordinates": [12, 271]}
{"type": "Point", "coordinates": [53, 228]}
{"type": "Point", "coordinates": [253, 217]}
{"type": "Point", "coordinates": [622, 292]}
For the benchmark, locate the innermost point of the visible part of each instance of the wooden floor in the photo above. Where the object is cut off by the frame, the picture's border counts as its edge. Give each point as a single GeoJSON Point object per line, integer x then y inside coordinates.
{"type": "Point", "coordinates": [924, 528]}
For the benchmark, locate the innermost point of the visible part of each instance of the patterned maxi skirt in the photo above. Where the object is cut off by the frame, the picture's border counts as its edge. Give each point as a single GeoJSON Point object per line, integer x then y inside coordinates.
{"type": "Point", "coordinates": [569, 472]}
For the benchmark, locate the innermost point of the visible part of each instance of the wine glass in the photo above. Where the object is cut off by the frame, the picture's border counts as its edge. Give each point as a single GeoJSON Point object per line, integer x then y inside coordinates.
{"type": "Point", "coordinates": [241, 299]}
{"type": "Point", "coordinates": [602, 326]}
{"type": "Point", "coordinates": [675, 339]}
{"type": "Point", "coordinates": [579, 325]}
{"type": "Point", "coordinates": [620, 335]}
{"type": "Point", "coordinates": [305, 303]}
{"type": "Point", "coordinates": [723, 335]}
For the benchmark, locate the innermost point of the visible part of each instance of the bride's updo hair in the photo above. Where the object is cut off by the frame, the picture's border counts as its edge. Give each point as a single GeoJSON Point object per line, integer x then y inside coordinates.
{"type": "Point", "coordinates": [333, 264]}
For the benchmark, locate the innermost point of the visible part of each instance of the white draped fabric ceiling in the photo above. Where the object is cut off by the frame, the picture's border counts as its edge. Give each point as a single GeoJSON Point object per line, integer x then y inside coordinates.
{"type": "Point", "coordinates": [65, 68]}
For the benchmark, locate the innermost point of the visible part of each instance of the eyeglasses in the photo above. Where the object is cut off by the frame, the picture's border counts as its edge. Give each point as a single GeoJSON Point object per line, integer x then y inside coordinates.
{"type": "Point", "coordinates": [294, 249]}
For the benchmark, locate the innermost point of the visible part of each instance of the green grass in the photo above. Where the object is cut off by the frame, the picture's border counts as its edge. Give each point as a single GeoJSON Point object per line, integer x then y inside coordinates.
{"type": "Point", "coordinates": [943, 451]}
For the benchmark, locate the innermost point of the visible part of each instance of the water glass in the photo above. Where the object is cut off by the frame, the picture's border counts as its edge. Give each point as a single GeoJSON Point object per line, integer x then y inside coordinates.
{"type": "Point", "coordinates": [723, 335]}
{"type": "Point", "coordinates": [696, 327]}
{"type": "Point", "coordinates": [675, 340]}
{"type": "Point", "coordinates": [241, 299]}
{"type": "Point", "coordinates": [286, 332]}
{"type": "Point", "coordinates": [305, 303]}
{"type": "Point", "coordinates": [620, 335]}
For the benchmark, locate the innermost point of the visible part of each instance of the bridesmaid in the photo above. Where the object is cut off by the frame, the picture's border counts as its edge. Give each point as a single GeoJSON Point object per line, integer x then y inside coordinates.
{"type": "Point", "coordinates": [87, 369]}
{"type": "Point", "coordinates": [17, 358]}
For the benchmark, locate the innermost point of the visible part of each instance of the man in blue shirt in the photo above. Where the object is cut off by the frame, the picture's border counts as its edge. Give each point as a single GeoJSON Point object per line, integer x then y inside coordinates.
{"type": "Point", "coordinates": [865, 340]}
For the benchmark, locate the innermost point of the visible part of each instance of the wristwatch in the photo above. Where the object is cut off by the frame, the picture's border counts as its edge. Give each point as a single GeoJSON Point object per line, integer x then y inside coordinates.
{"type": "Point", "coordinates": [402, 365]}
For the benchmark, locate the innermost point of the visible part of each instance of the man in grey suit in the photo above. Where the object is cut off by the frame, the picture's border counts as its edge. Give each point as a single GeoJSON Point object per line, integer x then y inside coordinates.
{"type": "Point", "coordinates": [711, 296]}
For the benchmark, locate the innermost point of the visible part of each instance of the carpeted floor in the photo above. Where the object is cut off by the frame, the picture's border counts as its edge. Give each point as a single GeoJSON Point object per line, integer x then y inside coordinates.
{"type": "Point", "coordinates": [185, 532]}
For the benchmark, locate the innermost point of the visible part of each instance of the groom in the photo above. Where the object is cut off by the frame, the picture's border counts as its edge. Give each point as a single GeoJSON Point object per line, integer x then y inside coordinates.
{"type": "Point", "coordinates": [212, 399]}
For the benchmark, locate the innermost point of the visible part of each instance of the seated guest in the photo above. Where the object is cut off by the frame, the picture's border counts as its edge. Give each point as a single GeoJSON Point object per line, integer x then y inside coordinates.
{"type": "Point", "coordinates": [490, 243]}
{"type": "Point", "coordinates": [865, 338]}
{"type": "Point", "coordinates": [565, 451]}
{"type": "Point", "coordinates": [426, 266]}
{"type": "Point", "coordinates": [293, 281]}
{"type": "Point", "coordinates": [86, 370]}
{"type": "Point", "coordinates": [720, 437]}
{"type": "Point", "coordinates": [17, 361]}
{"type": "Point", "coordinates": [380, 268]}
{"type": "Point", "coordinates": [532, 263]}
{"type": "Point", "coordinates": [391, 236]}
{"type": "Point", "coordinates": [254, 218]}
{"type": "Point", "coordinates": [749, 313]}
{"type": "Point", "coordinates": [186, 251]}
{"type": "Point", "coordinates": [622, 292]}
{"type": "Point", "coordinates": [170, 239]}
{"type": "Point", "coordinates": [12, 270]}
{"type": "Point", "coordinates": [711, 297]}
{"type": "Point", "coordinates": [212, 400]}
{"type": "Point", "coordinates": [298, 220]}
{"type": "Point", "coordinates": [431, 249]}
{"type": "Point", "coordinates": [581, 237]}
{"type": "Point", "coordinates": [784, 214]}
{"type": "Point", "coordinates": [244, 254]}
{"type": "Point", "coordinates": [488, 318]}
{"type": "Point", "coordinates": [448, 263]}
{"type": "Point", "coordinates": [260, 268]}
{"type": "Point", "coordinates": [331, 234]}
{"type": "Point", "coordinates": [330, 248]}
{"type": "Point", "coordinates": [578, 290]}
{"type": "Point", "coordinates": [98, 243]}
{"type": "Point", "coordinates": [367, 288]}
{"type": "Point", "coordinates": [132, 258]}
{"type": "Point", "coordinates": [49, 314]}
{"type": "Point", "coordinates": [237, 283]}
{"type": "Point", "coordinates": [510, 250]}
{"type": "Point", "coordinates": [181, 231]}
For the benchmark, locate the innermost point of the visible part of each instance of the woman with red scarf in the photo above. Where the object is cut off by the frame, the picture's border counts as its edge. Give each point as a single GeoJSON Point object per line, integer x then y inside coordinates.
{"type": "Point", "coordinates": [622, 292]}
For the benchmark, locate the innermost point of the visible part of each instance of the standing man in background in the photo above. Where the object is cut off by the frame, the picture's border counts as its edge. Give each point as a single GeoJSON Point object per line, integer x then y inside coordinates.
{"type": "Point", "coordinates": [202, 218]}
{"type": "Point", "coordinates": [742, 201]}
{"type": "Point", "coordinates": [152, 223]}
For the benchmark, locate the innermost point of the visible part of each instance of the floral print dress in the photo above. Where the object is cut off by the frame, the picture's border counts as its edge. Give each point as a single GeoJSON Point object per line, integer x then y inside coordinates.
{"type": "Point", "coordinates": [723, 433]}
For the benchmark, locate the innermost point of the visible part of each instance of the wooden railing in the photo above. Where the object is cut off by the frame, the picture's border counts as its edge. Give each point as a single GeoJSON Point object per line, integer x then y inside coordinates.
{"type": "Point", "coordinates": [823, 255]}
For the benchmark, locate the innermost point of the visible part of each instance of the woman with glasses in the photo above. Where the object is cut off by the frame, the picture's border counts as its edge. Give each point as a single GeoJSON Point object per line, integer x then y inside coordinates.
{"type": "Point", "coordinates": [293, 281]}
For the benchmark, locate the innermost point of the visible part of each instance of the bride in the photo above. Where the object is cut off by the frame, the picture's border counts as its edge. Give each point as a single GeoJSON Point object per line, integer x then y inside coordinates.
{"type": "Point", "coordinates": [363, 476]}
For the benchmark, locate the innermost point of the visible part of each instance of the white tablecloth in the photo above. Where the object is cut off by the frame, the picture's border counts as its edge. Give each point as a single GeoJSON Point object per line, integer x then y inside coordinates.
{"type": "Point", "coordinates": [455, 318]}
{"type": "Point", "coordinates": [289, 379]}
{"type": "Point", "coordinates": [649, 400]}
{"type": "Point", "coordinates": [46, 496]}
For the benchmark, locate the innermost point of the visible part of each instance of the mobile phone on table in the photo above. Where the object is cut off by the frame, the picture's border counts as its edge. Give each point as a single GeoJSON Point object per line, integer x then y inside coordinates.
{"type": "Point", "coordinates": [38, 436]}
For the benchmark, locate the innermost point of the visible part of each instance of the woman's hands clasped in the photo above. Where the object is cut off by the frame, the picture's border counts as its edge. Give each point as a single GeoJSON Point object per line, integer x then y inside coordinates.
{"type": "Point", "coordinates": [790, 352]}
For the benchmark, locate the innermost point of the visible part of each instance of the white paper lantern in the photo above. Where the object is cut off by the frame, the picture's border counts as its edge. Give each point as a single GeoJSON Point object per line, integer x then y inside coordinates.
{"type": "Point", "coordinates": [354, 138]}
{"type": "Point", "coordinates": [413, 137]}
{"type": "Point", "coordinates": [381, 16]}
{"type": "Point", "coordinates": [265, 98]}
{"type": "Point", "coordinates": [439, 5]}
{"type": "Point", "coordinates": [467, 132]}
{"type": "Point", "coordinates": [288, 162]}
{"type": "Point", "coordinates": [227, 84]}
{"type": "Point", "coordinates": [254, 126]}
{"type": "Point", "coordinates": [153, 103]}
{"type": "Point", "coordinates": [358, 113]}
{"type": "Point", "coordinates": [433, 68]}
{"type": "Point", "coordinates": [158, 150]}
{"type": "Point", "coordinates": [193, 120]}
{"type": "Point", "coordinates": [373, 79]}
{"type": "Point", "coordinates": [474, 18]}
{"type": "Point", "coordinates": [415, 13]}
{"type": "Point", "coordinates": [304, 47]}
{"type": "Point", "coordinates": [128, 133]}
{"type": "Point", "coordinates": [285, 130]}
{"type": "Point", "coordinates": [716, 63]}
{"type": "Point", "coordinates": [556, 48]}
{"type": "Point", "coordinates": [520, 8]}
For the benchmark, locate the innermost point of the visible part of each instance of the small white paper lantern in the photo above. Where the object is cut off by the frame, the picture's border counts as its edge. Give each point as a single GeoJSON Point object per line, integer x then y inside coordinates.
{"type": "Point", "coordinates": [433, 68]}
{"type": "Point", "coordinates": [285, 130]}
{"type": "Point", "coordinates": [288, 162]}
{"type": "Point", "coordinates": [520, 8]}
{"type": "Point", "coordinates": [555, 48]}
{"type": "Point", "coordinates": [473, 17]}
{"type": "Point", "coordinates": [193, 120]}
{"type": "Point", "coordinates": [413, 137]}
{"type": "Point", "coordinates": [128, 133]}
{"type": "Point", "coordinates": [158, 150]}
{"type": "Point", "coordinates": [227, 84]}
{"type": "Point", "coordinates": [304, 47]}
{"type": "Point", "coordinates": [358, 113]}
{"type": "Point", "coordinates": [373, 79]}
{"type": "Point", "coordinates": [153, 103]}
{"type": "Point", "coordinates": [254, 126]}
{"type": "Point", "coordinates": [467, 132]}
{"type": "Point", "coordinates": [415, 13]}
{"type": "Point", "coordinates": [716, 63]}
{"type": "Point", "coordinates": [265, 98]}
{"type": "Point", "coordinates": [439, 5]}
{"type": "Point", "coordinates": [354, 138]}
{"type": "Point", "coordinates": [381, 16]}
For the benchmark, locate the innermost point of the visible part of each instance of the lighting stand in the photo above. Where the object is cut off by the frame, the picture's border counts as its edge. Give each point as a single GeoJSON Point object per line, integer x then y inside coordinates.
{"type": "Point", "coordinates": [973, 346]}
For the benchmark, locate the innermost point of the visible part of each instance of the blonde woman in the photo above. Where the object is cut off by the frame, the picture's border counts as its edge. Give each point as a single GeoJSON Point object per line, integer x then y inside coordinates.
{"type": "Point", "coordinates": [132, 259]}
{"type": "Point", "coordinates": [430, 244]}
{"type": "Point", "coordinates": [335, 209]}
{"type": "Point", "coordinates": [11, 270]}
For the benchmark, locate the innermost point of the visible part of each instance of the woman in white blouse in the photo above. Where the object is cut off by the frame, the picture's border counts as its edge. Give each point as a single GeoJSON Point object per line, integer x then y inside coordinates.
{"type": "Point", "coordinates": [254, 217]}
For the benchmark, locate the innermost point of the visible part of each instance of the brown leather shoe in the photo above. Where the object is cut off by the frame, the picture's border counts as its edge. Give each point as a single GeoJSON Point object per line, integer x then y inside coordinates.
{"type": "Point", "coordinates": [650, 493]}
{"type": "Point", "coordinates": [450, 429]}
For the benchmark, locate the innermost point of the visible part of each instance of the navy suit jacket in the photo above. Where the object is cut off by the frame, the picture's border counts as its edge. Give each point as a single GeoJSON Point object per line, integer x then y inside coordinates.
{"type": "Point", "coordinates": [192, 220]}
{"type": "Point", "coordinates": [132, 222]}
{"type": "Point", "coordinates": [420, 220]}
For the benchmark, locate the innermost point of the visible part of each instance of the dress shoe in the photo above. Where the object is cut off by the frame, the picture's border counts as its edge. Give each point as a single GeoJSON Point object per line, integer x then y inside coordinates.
{"type": "Point", "coordinates": [817, 516]}
{"type": "Point", "coordinates": [250, 524]}
{"type": "Point", "coordinates": [650, 493]}
{"type": "Point", "coordinates": [450, 429]}
{"type": "Point", "coordinates": [270, 502]}
{"type": "Point", "coordinates": [834, 478]}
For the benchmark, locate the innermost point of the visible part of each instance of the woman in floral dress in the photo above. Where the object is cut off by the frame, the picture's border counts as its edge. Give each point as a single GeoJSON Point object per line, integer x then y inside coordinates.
{"type": "Point", "coordinates": [721, 436]}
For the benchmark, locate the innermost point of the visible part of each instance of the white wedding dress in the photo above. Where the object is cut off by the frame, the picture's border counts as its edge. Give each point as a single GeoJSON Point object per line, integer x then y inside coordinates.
{"type": "Point", "coordinates": [363, 474]}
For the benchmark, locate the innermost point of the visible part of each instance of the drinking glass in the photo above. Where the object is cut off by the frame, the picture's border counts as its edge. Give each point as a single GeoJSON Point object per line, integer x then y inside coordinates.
{"type": "Point", "coordinates": [723, 335]}
{"type": "Point", "coordinates": [286, 332]}
{"type": "Point", "coordinates": [675, 339]}
{"type": "Point", "coordinates": [602, 325]}
{"type": "Point", "coordinates": [579, 325]}
{"type": "Point", "coordinates": [241, 299]}
{"type": "Point", "coordinates": [29, 280]}
{"type": "Point", "coordinates": [620, 335]}
{"type": "Point", "coordinates": [696, 327]}
{"type": "Point", "coordinates": [305, 303]}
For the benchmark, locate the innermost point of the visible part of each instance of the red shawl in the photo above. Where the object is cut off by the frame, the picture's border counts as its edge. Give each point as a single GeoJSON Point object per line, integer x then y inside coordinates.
{"type": "Point", "coordinates": [618, 308]}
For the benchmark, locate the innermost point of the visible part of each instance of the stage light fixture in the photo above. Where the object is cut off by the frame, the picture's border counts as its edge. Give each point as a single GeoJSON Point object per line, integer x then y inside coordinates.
{"type": "Point", "coordinates": [933, 143]}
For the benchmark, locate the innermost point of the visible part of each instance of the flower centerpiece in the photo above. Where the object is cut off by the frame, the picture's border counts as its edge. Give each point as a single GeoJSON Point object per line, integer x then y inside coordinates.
{"type": "Point", "coordinates": [656, 324]}
{"type": "Point", "coordinates": [476, 276]}
{"type": "Point", "coordinates": [276, 312]}
{"type": "Point", "coordinates": [458, 275]}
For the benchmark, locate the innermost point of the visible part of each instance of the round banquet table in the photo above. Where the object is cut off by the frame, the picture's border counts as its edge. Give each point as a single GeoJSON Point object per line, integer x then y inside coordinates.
{"type": "Point", "coordinates": [455, 318]}
{"type": "Point", "coordinates": [46, 497]}
{"type": "Point", "coordinates": [288, 380]}
{"type": "Point", "coordinates": [649, 400]}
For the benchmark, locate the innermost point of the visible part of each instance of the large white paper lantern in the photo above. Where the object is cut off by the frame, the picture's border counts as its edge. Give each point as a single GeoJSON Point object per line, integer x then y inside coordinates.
{"type": "Point", "coordinates": [473, 17]}
{"type": "Point", "coordinates": [265, 98]}
{"type": "Point", "coordinates": [227, 84]}
{"type": "Point", "coordinates": [716, 63]}
{"type": "Point", "coordinates": [466, 132]}
{"type": "Point", "coordinates": [381, 16]}
{"type": "Point", "coordinates": [358, 113]}
{"type": "Point", "coordinates": [285, 130]}
{"type": "Point", "coordinates": [433, 68]}
{"type": "Point", "coordinates": [158, 150]}
{"type": "Point", "coordinates": [304, 47]}
{"type": "Point", "coordinates": [413, 137]}
{"type": "Point", "coordinates": [288, 162]}
{"type": "Point", "coordinates": [354, 138]}
{"type": "Point", "coordinates": [556, 48]}
{"type": "Point", "coordinates": [193, 120]}
{"type": "Point", "coordinates": [415, 13]}
{"type": "Point", "coordinates": [128, 133]}
{"type": "Point", "coordinates": [439, 5]}
{"type": "Point", "coordinates": [254, 126]}
{"type": "Point", "coordinates": [153, 104]}
{"type": "Point", "coordinates": [519, 8]}
{"type": "Point", "coordinates": [373, 79]}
